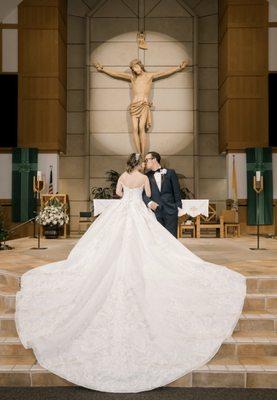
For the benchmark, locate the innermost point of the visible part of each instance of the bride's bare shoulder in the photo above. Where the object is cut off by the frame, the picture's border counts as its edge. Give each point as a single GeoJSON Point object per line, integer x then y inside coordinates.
{"type": "Point", "coordinates": [145, 177]}
{"type": "Point", "coordinates": [122, 176]}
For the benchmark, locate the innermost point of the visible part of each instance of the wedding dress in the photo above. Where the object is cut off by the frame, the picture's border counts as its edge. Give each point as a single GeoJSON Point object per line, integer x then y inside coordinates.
{"type": "Point", "coordinates": [131, 308]}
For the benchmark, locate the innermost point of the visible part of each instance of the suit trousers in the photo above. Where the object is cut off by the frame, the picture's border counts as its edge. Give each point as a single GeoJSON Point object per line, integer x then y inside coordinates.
{"type": "Point", "coordinates": [169, 221]}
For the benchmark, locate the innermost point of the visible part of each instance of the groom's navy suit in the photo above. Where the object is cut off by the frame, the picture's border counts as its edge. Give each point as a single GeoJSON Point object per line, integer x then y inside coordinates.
{"type": "Point", "coordinates": [168, 198]}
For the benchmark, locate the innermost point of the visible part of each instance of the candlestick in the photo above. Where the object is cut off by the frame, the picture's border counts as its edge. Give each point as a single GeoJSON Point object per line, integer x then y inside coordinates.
{"type": "Point", "coordinates": [38, 186]}
{"type": "Point", "coordinates": [258, 186]}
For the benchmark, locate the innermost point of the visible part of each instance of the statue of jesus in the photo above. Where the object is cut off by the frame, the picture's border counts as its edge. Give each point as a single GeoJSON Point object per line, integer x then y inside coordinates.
{"type": "Point", "coordinates": [141, 84]}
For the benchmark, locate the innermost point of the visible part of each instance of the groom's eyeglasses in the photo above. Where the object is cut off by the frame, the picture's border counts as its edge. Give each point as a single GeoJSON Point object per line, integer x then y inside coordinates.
{"type": "Point", "coordinates": [147, 159]}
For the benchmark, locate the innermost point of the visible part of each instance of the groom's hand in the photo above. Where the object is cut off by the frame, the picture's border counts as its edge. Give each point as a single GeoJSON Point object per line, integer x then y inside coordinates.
{"type": "Point", "coordinates": [153, 205]}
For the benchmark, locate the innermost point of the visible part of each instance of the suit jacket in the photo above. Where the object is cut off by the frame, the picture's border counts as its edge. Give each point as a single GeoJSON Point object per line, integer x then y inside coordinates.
{"type": "Point", "coordinates": [169, 198]}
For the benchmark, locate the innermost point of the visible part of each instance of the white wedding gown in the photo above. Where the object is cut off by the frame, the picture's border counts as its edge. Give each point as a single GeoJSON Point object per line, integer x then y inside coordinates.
{"type": "Point", "coordinates": [131, 308]}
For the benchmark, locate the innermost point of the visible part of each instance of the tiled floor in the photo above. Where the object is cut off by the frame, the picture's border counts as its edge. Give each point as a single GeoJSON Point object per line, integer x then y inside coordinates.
{"type": "Point", "coordinates": [247, 359]}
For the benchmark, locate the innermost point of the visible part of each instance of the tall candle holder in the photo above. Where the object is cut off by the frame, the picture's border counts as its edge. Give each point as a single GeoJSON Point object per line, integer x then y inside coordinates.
{"type": "Point", "coordinates": [38, 186]}
{"type": "Point", "coordinates": [258, 186]}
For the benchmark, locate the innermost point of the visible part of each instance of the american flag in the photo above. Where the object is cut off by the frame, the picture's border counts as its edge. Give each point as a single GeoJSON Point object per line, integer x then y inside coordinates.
{"type": "Point", "coordinates": [51, 180]}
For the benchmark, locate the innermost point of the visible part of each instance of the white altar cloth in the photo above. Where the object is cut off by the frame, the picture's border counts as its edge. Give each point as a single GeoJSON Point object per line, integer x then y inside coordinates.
{"type": "Point", "coordinates": [194, 207]}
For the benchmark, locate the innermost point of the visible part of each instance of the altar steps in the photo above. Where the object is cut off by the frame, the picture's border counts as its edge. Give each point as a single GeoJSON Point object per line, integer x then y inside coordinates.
{"type": "Point", "coordinates": [244, 372]}
{"type": "Point", "coordinates": [247, 359]}
{"type": "Point", "coordinates": [254, 302]}
{"type": "Point", "coordinates": [235, 346]}
{"type": "Point", "coordinates": [261, 292]}
{"type": "Point", "coordinates": [248, 322]}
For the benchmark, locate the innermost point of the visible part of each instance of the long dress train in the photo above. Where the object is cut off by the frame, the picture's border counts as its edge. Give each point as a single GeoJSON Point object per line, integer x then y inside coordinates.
{"type": "Point", "coordinates": [131, 308]}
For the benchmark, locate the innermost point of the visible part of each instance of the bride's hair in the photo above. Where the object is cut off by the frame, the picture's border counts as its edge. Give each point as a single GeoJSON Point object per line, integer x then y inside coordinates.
{"type": "Point", "coordinates": [133, 160]}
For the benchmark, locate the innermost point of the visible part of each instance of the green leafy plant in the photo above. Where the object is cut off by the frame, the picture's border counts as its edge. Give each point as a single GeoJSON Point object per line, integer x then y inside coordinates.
{"type": "Point", "coordinates": [3, 231]}
{"type": "Point", "coordinates": [112, 177]}
{"type": "Point", "coordinates": [186, 193]}
{"type": "Point", "coordinates": [107, 192]}
{"type": "Point", "coordinates": [100, 193]}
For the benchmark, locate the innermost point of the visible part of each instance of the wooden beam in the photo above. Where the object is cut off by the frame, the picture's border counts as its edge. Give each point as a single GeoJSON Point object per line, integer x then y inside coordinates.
{"type": "Point", "coordinates": [8, 26]}
{"type": "Point", "coordinates": [42, 74]}
{"type": "Point", "coordinates": [243, 70]}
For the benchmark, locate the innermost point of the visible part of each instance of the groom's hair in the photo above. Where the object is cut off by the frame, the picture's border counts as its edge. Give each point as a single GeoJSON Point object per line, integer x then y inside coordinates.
{"type": "Point", "coordinates": [156, 155]}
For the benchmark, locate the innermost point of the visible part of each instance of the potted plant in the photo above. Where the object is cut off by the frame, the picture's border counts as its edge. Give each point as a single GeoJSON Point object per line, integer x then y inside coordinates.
{"type": "Point", "coordinates": [112, 177]}
{"type": "Point", "coordinates": [101, 193]}
{"type": "Point", "coordinates": [52, 216]}
{"type": "Point", "coordinates": [3, 232]}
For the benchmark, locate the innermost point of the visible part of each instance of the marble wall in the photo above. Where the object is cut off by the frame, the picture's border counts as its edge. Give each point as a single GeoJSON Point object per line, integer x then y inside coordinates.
{"type": "Point", "coordinates": [183, 108]}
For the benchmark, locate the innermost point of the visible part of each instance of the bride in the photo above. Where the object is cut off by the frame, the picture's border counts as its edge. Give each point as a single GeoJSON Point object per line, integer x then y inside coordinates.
{"type": "Point", "coordinates": [131, 308]}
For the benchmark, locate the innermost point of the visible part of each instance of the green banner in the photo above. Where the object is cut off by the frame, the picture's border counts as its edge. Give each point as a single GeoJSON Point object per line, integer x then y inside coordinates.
{"type": "Point", "coordinates": [259, 159]}
{"type": "Point", "coordinates": [24, 168]}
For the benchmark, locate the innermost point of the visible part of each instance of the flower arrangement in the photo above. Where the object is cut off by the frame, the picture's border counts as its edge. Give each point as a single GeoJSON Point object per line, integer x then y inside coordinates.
{"type": "Point", "coordinates": [53, 213]}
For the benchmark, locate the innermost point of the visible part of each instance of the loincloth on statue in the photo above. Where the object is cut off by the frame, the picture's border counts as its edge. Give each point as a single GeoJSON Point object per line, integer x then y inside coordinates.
{"type": "Point", "coordinates": [138, 107]}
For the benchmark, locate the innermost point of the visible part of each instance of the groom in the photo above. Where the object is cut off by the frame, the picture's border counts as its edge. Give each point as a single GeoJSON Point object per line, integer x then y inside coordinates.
{"type": "Point", "coordinates": [165, 192]}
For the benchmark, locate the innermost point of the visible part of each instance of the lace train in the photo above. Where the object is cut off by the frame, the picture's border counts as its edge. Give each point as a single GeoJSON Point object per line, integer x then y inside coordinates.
{"type": "Point", "coordinates": [131, 308]}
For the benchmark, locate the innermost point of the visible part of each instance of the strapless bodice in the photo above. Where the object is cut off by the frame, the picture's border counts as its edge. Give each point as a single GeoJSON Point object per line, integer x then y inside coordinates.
{"type": "Point", "coordinates": [132, 194]}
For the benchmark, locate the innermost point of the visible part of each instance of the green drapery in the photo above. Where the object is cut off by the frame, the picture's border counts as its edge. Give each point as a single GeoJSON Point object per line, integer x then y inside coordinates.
{"type": "Point", "coordinates": [24, 168]}
{"type": "Point", "coordinates": [259, 159]}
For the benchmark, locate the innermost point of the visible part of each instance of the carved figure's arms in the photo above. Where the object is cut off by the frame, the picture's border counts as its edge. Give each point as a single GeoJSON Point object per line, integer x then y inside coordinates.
{"type": "Point", "coordinates": [170, 71]}
{"type": "Point", "coordinates": [114, 74]}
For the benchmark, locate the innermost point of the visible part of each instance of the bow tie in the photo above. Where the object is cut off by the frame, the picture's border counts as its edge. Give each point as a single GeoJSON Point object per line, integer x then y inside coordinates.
{"type": "Point", "coordinates": [157, 170]}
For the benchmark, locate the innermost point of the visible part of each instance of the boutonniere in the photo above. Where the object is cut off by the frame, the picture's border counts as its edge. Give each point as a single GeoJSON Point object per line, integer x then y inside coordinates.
{"type": "Point", "coordinates": [163, 171]}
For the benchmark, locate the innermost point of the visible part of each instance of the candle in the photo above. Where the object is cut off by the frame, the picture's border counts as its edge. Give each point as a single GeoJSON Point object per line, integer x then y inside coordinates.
{"type": "Point", "coordinates": [258, 176]}
{"type": "Point", "coordinates": [39, 176]}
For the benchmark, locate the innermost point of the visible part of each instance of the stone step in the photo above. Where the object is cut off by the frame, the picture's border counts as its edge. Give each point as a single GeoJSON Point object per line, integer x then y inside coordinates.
{"type": "Point", "coordinates": [261, 292]}
{"type": "Point", "coordinates": [253, 302]}
{"type": "Point", "coordinates": [248, 322]}
{"type": "Point", "coordinates": [265, 302]}
{"type": "Point", "coordinates": [230, 373]}
{"type": "Point", "coordinates": [247, 359]}
{"type": "Point", "coordinates": [9, 279]}
{"type": "Point", "coordinates": [257, 321]}
{"type": "Point", "coordinates": [255, 336]}
{"type": "Point", "coordinates": [261, 344]}
{"type": "Point", "coordinates": [255, 283]}
{"type": "Point", "coordinates": [7, 300]}
{"type": "Point", "coordinates": [261, 301]}
{"type": "Point", "coordinates": [7, 325]}
{"type": "Point", "coordinates": [247, 347]}
{"type": "Point", "coordinates": [23, 373]}
{"type": "Point", "coordinates": [261, 284]}
{"type": "Point", "coordinates": [11, 347]}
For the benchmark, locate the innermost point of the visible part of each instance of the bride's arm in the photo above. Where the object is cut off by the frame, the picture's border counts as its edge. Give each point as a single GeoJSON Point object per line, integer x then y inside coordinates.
{"type": "Point", "coordinates": [119, 188]}
{"type": "Point", "coordinates": [147, 188]}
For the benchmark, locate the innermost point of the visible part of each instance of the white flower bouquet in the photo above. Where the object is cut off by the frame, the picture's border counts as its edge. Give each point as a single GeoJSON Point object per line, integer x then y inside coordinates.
{"type": "Point", "coordinates": [53, 214]}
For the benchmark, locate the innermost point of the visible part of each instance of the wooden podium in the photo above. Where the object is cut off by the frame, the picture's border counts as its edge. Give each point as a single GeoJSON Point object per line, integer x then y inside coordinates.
{"type": "Point", "coordinates": [63, 198]}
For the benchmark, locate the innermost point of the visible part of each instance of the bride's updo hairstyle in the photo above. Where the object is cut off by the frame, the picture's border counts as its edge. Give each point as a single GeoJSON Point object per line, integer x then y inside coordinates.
{"type": "Point", "coordinates": [133, 161]}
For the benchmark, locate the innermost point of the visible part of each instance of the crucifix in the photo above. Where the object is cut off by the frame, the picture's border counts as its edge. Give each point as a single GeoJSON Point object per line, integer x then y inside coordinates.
{"type": "Point", "coordinates": [141, 85]}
